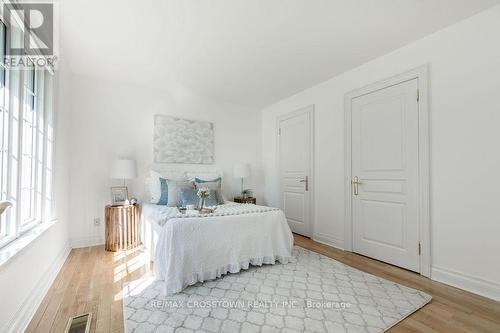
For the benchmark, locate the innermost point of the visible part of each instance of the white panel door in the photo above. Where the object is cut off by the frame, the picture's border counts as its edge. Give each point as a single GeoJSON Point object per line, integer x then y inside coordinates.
{"type": "Point", "coordinates": [385, 161]}
{"type": "Point", "coordinates": [294, 160]}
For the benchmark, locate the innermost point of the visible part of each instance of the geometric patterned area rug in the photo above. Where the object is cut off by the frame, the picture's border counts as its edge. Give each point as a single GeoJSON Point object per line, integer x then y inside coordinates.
{"type": "Point", "coordinates": [313, 293]}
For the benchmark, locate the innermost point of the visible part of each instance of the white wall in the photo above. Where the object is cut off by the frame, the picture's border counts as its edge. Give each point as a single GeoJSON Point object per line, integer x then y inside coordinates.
{"type": "Point", "coordinates": [465, 118]}
{"type": "Point", "coordinates": [115, 119]}
{"type": "Point", "coordinates": [28, 275]}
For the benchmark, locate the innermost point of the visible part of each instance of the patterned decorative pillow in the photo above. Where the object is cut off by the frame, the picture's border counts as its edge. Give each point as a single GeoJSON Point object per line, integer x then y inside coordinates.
{"type": "Point", "coordinates": [214, 184]}
{"type": "Point", "coordinates": [171, 191]}
{"type": "Point", "coordinates": [189, 197]}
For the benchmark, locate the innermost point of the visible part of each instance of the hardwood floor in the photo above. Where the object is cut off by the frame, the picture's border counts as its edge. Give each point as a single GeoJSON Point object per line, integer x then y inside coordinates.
{"type": "Point", "coordinates": [91, 280]}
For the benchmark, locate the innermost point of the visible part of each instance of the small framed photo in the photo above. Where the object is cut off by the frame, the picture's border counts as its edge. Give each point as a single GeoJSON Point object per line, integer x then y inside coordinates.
{"type": "Point", "coordinates": [119, 195]}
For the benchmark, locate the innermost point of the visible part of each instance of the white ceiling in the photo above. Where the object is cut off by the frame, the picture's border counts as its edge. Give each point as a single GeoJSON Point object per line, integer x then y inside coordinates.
{"type": "Point", "coordinates": [251, 52]}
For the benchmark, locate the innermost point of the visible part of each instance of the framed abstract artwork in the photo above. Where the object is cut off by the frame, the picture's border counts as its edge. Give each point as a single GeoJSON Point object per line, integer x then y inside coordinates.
{"type": "Point", "coordinates": [178, 140]}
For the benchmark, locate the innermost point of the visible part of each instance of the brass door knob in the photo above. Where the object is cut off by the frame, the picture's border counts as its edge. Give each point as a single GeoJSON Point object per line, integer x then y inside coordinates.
{"type": "Point", "coordinates": [355, 183]}
{"type": "Point", "coordinates": [306, 180]}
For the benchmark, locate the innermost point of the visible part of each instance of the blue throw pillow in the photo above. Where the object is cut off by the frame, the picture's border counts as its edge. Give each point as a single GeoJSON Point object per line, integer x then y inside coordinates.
{"type": "Point", "coordinates": [189, 197]}
{"type": "Point", "coordinates": [214, 184]}
{"type": "Point", "coordinates": [199, 180]}
{"type": "Point", "coordinates": [164, 192]}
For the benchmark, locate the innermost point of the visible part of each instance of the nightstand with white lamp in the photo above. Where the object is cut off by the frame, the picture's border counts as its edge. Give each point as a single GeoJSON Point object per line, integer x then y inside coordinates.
{"type": "Point", "coordinates": [242, 171]}
{"type": "Point", "coordinates": [122, 217]}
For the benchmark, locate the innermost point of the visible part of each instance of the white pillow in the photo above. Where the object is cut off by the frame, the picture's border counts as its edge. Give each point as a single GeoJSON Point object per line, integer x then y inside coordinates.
{"type": "Point", "coordinates": [153, 183]}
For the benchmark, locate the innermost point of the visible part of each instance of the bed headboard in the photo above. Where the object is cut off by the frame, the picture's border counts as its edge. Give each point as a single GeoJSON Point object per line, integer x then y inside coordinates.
{"type": "Point", "coordinates": [184, 169]}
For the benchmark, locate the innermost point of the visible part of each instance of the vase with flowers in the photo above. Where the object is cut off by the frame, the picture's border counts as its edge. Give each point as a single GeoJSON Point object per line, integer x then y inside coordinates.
{"type": "Point", "coordinates": [203, 193]}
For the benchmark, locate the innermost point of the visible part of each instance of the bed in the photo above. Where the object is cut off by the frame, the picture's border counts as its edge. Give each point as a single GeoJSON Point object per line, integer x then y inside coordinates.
{"type": "Point", "coordinates": [190, 248]}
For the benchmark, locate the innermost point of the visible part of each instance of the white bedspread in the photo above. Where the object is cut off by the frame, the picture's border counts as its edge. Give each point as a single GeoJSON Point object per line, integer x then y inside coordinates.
{"type": "Point", "coordinates": [196, 249]}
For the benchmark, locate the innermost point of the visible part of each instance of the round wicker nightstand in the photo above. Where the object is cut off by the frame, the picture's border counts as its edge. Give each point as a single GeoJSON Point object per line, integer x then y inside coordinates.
{"type": "Point", "coordinates": [122, 227]}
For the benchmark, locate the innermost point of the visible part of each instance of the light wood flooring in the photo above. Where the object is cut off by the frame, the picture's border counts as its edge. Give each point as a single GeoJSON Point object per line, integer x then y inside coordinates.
{"type": "Point", "coordinates": [91, 281]}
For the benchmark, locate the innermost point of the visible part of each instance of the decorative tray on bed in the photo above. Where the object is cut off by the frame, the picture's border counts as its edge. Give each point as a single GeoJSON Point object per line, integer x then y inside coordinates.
{"type": "Point", "coordinates": [200, 211]}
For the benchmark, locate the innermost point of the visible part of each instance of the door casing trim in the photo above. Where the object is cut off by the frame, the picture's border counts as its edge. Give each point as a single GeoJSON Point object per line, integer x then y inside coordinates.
{"type": "Point", "coordinates": [304, 110]}
{"type": "Point", "coordinates": [420, 73]}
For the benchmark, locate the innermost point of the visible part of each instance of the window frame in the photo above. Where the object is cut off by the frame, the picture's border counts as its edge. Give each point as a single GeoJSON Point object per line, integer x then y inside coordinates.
{"type": "Point", "coordinates": [15, 103]}
{"type": "Point", "coordinates": [26, 92]}
{"type": "Point", "coordinates": [6, 230]}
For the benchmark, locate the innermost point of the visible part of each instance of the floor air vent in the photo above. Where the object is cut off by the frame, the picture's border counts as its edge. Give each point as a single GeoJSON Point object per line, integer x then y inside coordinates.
{"type": "Point", "coordinates": [79, 324]}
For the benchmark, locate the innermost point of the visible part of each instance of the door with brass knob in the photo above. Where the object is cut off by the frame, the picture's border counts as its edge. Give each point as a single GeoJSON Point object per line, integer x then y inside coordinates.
{"type": "Point", "coordinates": [295, 169]}
{"type": "Point", "coordinates": [384, 175]}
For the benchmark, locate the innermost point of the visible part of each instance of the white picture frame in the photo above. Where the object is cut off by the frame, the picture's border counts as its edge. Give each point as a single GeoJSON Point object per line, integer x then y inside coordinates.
{"type": "Point", "coordinates": [119, 195]}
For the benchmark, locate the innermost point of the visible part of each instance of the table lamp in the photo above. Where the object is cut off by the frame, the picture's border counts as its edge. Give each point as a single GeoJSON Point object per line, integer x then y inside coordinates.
{"type": "Point", "coordinates": [123, 169]}
{"type": "Point", "coordinates": [241, 170]}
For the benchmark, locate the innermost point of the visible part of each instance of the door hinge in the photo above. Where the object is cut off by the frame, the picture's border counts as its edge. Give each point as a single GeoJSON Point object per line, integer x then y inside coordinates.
{"type": "Point", "coordinates": [419, 249]}
{"type": "Point", "coordinates": [418, 95]}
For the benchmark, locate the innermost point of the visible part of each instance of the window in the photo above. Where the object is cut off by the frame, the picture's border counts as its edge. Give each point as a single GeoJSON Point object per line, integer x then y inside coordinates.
{"type": "Point", "coordinates": [27, 141]}
{"type": "Point", "coordinates": [4, 119]}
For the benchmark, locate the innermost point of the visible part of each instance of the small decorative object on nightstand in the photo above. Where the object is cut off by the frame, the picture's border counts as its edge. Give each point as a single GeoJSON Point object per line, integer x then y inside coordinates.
{"type": "Point", "coordinates": [248, 200]}
{"type": "Point", "coordinates": [122, 227]}
{"type": "Point", "coordinates": [247, 193]}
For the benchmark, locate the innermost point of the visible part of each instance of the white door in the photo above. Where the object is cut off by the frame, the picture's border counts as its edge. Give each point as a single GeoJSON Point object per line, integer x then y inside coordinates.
{"type": "Point", "coordinates": [385, 162]}
{"type": "Point", "coordinates": [295, 163]}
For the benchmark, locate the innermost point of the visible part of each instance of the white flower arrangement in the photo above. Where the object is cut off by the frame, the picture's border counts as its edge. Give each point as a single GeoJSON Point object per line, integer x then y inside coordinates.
{"type": "Point", "coordinates": [203, 193]}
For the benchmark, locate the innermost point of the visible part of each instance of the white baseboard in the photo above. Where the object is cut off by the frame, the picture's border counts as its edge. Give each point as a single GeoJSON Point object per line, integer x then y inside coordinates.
{"type": "Point", "coordinates": [466, 282]}
{"type": "Point", "coordinates": [450, 277]}
{"type": "Point", "coordinates": [23, 316]}
{"type": "Point", "coordinates": [86, 241]}
{"type": "Point", "coordinates": [328, 240]}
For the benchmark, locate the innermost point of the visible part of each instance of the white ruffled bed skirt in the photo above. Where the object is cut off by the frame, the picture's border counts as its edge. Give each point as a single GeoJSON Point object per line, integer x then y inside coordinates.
{"type": "Point", "coordinates": [217, 273]}
{"type": "Point", "coordinates": [191, 250]}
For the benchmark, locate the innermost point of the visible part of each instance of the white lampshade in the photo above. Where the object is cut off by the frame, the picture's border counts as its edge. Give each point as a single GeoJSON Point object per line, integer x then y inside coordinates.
{"type": "Point", "coordinates": [124, 169]}
{"type": "Point", "coordinates": [241, 170]}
